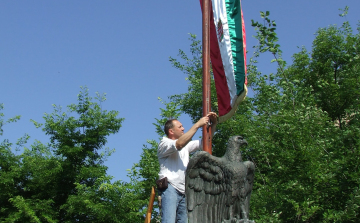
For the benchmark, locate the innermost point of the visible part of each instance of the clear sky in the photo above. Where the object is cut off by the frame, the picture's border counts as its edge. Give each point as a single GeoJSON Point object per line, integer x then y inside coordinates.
{"type": "Point", "coordinates": [48, 49]}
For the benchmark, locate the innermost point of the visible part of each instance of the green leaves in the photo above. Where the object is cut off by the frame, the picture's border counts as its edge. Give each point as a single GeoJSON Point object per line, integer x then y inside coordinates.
{"type": "Point", "coordinates": [10, 120]}
{"type": "Point", "coordinates": [267, 38]}
{"type": "Point", "coordinates": [81, 136]}
{"type": "Point", "coordinates": [65, 181]}
{"type": "Point", "coordinates": [332, 73]}
{"type": "Point", "coordinates": [171, 111]}
{"type": "Point", "coordinates": [345, 11]}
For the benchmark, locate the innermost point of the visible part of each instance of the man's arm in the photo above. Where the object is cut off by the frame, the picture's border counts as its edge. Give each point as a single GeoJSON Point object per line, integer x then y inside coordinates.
{"type": "Point", "coordinates": [186, 138]}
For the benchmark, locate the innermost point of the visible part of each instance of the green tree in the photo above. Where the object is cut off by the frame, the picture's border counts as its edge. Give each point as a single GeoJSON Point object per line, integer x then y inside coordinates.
{"type": "Point", "coordinates": [332, 70]}
{"type": "Point", "coordinates": [66, 180]}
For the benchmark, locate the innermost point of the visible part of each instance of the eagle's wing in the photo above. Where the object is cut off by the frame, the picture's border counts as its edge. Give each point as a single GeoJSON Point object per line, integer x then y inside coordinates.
{"type": "Point", "coordinates": [249, 184]}
{"type": "Point", "coordinates": [206, 188]}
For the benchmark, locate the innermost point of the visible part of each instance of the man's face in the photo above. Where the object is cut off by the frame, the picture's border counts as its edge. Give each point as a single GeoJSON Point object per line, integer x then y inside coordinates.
{"type": "Point", "coordinates": [178, 129]}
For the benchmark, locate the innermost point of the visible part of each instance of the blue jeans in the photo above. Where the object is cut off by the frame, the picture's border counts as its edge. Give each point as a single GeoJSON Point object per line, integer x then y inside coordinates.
{"type": "Point", "coordinates": [173, 206]}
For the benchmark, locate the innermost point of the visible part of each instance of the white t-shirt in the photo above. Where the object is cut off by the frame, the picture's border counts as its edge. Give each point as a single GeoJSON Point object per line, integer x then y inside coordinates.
{"type": "Point", "coordinates": [173, 162]}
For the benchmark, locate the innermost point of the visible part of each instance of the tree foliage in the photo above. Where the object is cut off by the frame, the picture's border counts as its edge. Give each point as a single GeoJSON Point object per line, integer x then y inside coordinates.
{"type": "Point", "coordinates": [66, 181]}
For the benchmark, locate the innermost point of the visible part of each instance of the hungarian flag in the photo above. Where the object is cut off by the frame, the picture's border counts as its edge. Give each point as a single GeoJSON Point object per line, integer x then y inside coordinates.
{"type": "Point", "coordinates": [228, 54]}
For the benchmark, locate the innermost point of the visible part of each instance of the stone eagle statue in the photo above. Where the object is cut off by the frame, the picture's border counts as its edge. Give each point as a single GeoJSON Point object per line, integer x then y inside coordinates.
{"type": "Point", "coordinates": [219, 189]}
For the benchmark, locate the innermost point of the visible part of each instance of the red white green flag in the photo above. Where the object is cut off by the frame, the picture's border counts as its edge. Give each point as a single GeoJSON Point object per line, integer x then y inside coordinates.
{"type": "Point", "coordinates": [228, 54]}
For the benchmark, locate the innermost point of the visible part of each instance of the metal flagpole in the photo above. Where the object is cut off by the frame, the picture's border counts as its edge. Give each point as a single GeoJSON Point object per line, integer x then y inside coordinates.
{"type": "Point", "coordinates": [206, 73]}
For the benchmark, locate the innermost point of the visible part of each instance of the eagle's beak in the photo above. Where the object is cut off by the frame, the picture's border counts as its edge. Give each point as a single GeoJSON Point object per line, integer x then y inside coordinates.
{"type": "Point", "coordinates": [243, 143]}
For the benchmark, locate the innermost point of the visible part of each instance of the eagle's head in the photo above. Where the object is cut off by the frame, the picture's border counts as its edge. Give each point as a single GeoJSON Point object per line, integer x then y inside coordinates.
{"type": "Point", "coordinates": [233, 152]}
{"type": "Point", "coordinates": [237, 141]}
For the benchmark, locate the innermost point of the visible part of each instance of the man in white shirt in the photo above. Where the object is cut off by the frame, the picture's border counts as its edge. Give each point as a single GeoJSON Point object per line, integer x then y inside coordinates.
{"type": "Point", "coordinates": [173, 154]}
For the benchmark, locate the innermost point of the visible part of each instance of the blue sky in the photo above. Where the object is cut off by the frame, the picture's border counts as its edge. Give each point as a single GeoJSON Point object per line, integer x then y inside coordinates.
{"type": "Point", "coordinates": [48, 49]}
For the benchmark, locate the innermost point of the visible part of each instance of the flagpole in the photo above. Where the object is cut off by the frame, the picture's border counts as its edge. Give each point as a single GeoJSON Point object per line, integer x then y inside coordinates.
{"type": "Point", "coordinates": [206, 73]}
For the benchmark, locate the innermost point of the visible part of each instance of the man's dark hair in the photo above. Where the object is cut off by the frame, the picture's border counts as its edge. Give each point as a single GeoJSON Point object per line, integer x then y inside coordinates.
{"type": "Point", "coordinates": [168, 125]}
